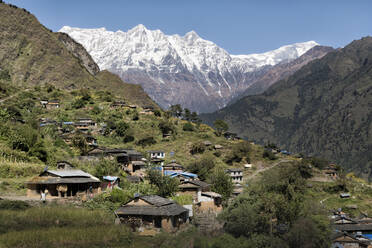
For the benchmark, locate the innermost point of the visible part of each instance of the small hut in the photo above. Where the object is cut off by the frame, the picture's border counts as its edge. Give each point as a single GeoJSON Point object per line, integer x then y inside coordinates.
{"type": "Point", "coordinates": [153, 212]}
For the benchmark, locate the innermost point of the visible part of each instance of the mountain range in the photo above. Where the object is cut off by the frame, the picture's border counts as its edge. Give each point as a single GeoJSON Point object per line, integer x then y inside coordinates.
{"type": "Point", "coordinates": [186, 70]}
{"type": "Point", "coordinates": [323, 109]}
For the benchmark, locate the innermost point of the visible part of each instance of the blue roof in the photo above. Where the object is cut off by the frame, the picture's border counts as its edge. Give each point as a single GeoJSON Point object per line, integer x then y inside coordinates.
{"type": "Point", "coordinates": [368, 236]}
{"type": "Point", "coordinates": [110, 178]}
{"type": "Point", "coordinates": [68, 123]}
{"type": "Point", "coordinates": [175, 174]}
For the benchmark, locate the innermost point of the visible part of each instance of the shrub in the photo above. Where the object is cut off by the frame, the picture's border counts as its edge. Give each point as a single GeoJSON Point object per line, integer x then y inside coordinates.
{"type": "Point", "coordinates": [197, 148]}
{"type": "Point", "coordinates": [105, 168]}
{"type": "Point", "coordinates": [13, 205]}
{"type": "Point", "coordinates": [269, 155]}
{"type": "Point", "coordinates": [4, 74]}
{"type": "Point", "coordinates": [121, 128]}
{"type": "Point", "coordinates": [147, 141]}
{"type": "Point", "coordinates": [157, 113]}
{"type": "Point", "coordinates": [78, 103]}
{"type": "Point", "coordinates": [166, 127]}
{"type": "Point", "coordinates": [188, 127]}
{"type": "Point", "coordinates": [135, 116]}
{"type": "Point", "coordinates": [202, 167]}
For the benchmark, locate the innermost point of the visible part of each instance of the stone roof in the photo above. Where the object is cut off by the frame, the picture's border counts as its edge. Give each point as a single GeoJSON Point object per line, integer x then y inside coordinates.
{"type": "Point", "coordinates": [159, 206]}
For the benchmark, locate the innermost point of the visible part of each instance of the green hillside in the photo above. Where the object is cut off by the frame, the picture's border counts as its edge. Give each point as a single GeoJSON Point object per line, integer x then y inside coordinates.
{"type": "Point", "coordinates": [30, 55]}
{"type": "Point", "coordinates": [324, 109]}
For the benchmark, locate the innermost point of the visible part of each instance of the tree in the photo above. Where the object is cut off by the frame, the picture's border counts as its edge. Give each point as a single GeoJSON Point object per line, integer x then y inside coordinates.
{"type": "Point", "coordinates": [202, 167]}
{"type": "Point", "coordinates": [198, 147]}
{"type": "Point", "coordinates": [222, 184]}
{"type": "Point", "coordinates": [166, 127]}
{"type": "Point", "coordinates": [146, 141]}
{"type": "Point", "coordinates": [220, 127]}
{"type": "Point", "coordinates": [80, 142]}
{"type": "Point", "coordinates": [176, 110]}
{"type": "Point", "coordinates": [121, 128]}
{"type": "Point", "coordinates": [166, 185]}
{"type": "Point", "coordinates": [187, 114]}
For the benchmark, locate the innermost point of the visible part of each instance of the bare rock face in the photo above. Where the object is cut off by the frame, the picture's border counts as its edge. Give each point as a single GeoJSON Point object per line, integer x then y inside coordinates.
{"type": "Point", "coordinates": [79, 52]}
{"type": "Point", "coordinates": [174, 69]}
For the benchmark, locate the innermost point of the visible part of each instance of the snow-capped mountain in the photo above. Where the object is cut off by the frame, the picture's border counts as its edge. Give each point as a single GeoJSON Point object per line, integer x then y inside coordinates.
{"type": "Point", "coordinates": [172, 69]}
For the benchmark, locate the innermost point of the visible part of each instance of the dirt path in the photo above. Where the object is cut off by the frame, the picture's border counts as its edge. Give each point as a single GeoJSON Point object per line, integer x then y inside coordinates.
{"type": "Point", "coordinates": [266, 168]}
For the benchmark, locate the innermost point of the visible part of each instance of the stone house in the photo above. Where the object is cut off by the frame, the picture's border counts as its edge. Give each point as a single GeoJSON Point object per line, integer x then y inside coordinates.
{"type": "Point", "coordinates": [63, 183]}
{"type": "Point", "coordinates": [53, 104]}
{"type": "Point", "coordinates": [236, 175]}
{"type": "Point", "coordinates": [153, 212]}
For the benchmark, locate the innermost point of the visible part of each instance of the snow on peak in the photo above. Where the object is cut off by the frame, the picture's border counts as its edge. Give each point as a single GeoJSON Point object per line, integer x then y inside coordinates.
{"type": "Point", "coordinates": [171, 59]}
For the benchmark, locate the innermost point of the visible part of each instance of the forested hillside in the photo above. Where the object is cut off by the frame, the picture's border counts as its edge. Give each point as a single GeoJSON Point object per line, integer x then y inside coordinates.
{"type": "Point", "coordinates": [324, 109]}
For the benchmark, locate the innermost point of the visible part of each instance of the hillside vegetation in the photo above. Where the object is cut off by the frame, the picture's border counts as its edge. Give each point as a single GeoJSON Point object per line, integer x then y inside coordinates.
{"type": "Point", "coordinates": [31, 54]}
{"type": "Point", "coordinates": [324, 109]}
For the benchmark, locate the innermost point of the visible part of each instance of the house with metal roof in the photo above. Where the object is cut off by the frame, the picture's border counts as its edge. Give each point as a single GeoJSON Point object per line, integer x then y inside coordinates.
{"type": "Point", "coordinates": [63, 183]}
{"type": "Point", "coordinates": [152, 212]}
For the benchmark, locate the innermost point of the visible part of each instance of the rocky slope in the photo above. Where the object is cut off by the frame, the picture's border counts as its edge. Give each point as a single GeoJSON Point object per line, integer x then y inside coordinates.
{"type": "Point", "coordinates": [283, 71]}
{"type": "Point", "coordinates": [172, 69]}
{"type": "Point", "coordinates": [323, 109]}
{"type": "Point", "coordinates": [33, 55]}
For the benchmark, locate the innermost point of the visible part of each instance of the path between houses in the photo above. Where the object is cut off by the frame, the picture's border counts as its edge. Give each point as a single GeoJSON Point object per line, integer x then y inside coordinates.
{"type": "Point", "coordinates": [266, 168]}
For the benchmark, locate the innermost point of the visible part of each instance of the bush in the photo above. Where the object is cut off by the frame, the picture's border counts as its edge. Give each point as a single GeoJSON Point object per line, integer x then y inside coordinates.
{"type": "Point", "coordinates": [78, 103]}
{"type": "Point", "coordinates": [147, 141]}
{"type": "Point", "coordinates": [202, 167]}
{"type": "Point", "coordinates": [121, 128]}
{"type": "Point", "coordinates": [188, 127]}
{"type": "Point", "coordinates": [238, 152]}
{"type": "Point", "coordinates": [197, 148]}
{"type": "Point", "coordinates": [166, 127]}
{"type": "Point", "coordinates": [269, 155]}
{"type": "Point", "coordinates": [4, 74]}
{"type": "Point", "coordinates": [105, 168]}
{"type": "Point", "coordinates": [157, 113]}
{"type": "Point", "coordinates": [13, 205]}
{"type": "Point", "coordinates": [128, 138]}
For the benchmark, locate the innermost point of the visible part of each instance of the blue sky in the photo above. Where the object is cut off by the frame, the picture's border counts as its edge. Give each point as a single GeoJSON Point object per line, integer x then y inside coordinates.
{"type": "Point", "coordinates": [238, 26]}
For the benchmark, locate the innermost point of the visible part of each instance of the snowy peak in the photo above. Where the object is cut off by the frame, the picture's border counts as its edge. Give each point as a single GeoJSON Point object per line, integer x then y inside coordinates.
{"type": "Point", "coordinates": [179, 69]}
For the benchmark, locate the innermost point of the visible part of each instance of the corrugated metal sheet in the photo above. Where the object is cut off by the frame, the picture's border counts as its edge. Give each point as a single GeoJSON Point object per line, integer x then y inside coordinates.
{"type": "Point", "coordinates": [69, 173]}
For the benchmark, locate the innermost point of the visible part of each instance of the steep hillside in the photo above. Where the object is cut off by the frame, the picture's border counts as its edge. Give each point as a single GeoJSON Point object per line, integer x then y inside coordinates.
{"type": "Point", "coordinates": [33, 55]}
{"type": "Point", "coordinates": [173, 69]}
{"type": "Point", "coordinates": [283, 71]}
{"type": "Point", "coordinates": [323, 109]}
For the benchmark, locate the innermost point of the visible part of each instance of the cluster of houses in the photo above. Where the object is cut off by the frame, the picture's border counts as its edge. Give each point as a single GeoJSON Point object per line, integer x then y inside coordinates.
{"type": "Point", "coordinates": [150, 212]}
{"type": "Point", "coordinates": [351, 232]}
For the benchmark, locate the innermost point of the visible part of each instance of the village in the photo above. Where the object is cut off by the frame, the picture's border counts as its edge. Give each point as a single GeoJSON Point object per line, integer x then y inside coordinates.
{"type": "Point", "coordinates": [161, 189]}
{"type": "Point", "coordinates": [151, 214]}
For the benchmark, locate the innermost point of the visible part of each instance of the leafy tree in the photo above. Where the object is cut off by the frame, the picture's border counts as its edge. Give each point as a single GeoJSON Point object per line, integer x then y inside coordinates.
{"type": "Point", "coordinates": [195, 118]}
{"type": "Point", "coordinates": [187, 114]}
{"type": "Point", "coordinates": [135, 116]}
{"type": "Point", "coordinates": [166, 185]}
{"type": "Point", "coordinates": [121, 128]}
{"type": "Point", "coordinates": [238, 152]}
{"type": "Point", "coordinates": [222, 184]}
{"type": "Point", "coordinates": [176, 110]}
{"type": "Point", "coordinates": [202, 167]}
{"type": "Point", "coordinates": [220, 127]}
{"type": "Point", "coordinates": [106, 167]}
{"type": "Point", "coordinates": [309, 232]}
{"type": "Point", "coordinates": [80, 142]}
{"type": "Point", "coordinates": [166, 127]}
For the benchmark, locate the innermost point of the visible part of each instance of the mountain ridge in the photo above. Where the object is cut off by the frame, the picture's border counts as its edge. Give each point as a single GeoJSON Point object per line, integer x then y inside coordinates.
{"type": "Point", "coordinates": [323, 109]}
{"type": "Point", "coordinates": [173, 69]}
{"type": "Point", "coordinates": [34, 55]}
